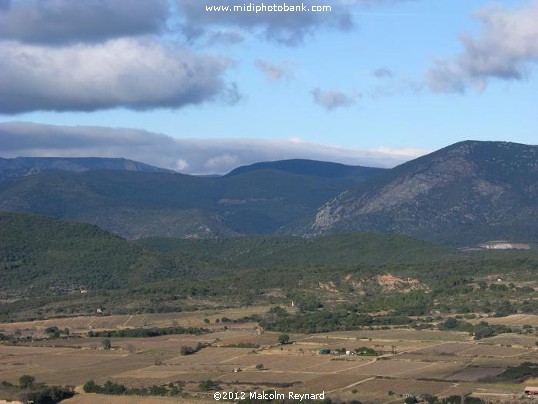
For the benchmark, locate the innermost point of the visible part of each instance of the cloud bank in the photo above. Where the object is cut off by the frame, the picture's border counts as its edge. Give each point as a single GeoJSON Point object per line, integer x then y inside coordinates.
{"type": "Point", "coordinates": [56, 22]}
{"type": "Point", "coordinates": [74, 55]}
{"type": "Point", "coordinates": [505, 49]}
{"type": "Point", "coordinates": [192, 156]}
{"type": "Point", "coordinates": [118, 73]}
{"type": "Point", "coordinates": [288, 28]}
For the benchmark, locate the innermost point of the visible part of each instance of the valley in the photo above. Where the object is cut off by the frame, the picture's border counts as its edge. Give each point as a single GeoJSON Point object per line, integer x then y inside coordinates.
{"type": "Point", "coordinates": [121, 282]}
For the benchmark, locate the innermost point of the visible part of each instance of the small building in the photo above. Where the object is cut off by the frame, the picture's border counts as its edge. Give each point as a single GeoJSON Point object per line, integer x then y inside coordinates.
{"type": "Point", "coordinates": [531, 391]}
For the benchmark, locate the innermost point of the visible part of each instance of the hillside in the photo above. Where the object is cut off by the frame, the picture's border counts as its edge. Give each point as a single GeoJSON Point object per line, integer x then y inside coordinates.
{"type": "Point", "coordinates": [41, 255]}
{"type": "Point", "coordinates": [466, 193]}
{"type": "Point", "coordinates": [24, 166]}
{"type": "Point", "coordinates": [46, 263]}
{"type": "Point", "coordinates": [45, 255]}
{"type": "Point", "coordinates": [143, 204]}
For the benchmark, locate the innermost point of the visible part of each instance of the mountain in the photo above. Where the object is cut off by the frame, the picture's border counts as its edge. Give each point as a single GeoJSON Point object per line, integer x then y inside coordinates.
{"type": "Point", "coordinates": [24, 166]}
{"type": "Point", "coordinates": [142, 204]}
{"type": "Point", "coordinates": [466, 193]}
{"type": "Point", "coordinates": [310, 167]}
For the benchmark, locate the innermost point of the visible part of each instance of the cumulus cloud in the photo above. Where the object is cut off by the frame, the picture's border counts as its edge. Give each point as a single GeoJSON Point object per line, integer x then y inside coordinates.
{"type": "Point", "coordinates": [505, 49]}
{"type": "Point", "coordinates": [225, 37]}
{"type": "Point", "coordinates": [331, 99]}
{"type": "Point", "coordinates": [382, 73]}
{"type": "Point", "coordinates": [274, 72]}
{"type": "Point", "coordinates": [289, 28]}
{"type": "Point", "coordinates": [69, 21]}
{"type": "Point", "coordinates": [118, 73]}
{"type": "Point", "coordinates": [193, 156]}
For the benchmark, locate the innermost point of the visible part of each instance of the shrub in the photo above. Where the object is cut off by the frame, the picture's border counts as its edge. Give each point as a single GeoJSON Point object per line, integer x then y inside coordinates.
{"type": "Point", "coordinates": [207, 385]}
{"type": "Point", "coordinates": [283, 339]}
{"type": "Point", "coordinates": [26, 381]}
{"type": "Point", "coordinates": [106, 344]}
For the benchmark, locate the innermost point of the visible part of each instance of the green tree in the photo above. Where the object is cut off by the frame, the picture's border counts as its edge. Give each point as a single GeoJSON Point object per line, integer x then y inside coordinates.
{"type": "Point", "coordinates": [106, 343]}
{"type": "Point", "coordinates": [207, 385]}
{"type": "Point", "coordinates": [90, 387]}
{"type": "Point", "coordinates": [26, 381]}
{"type": "Point", "coordinates": [283, 339]}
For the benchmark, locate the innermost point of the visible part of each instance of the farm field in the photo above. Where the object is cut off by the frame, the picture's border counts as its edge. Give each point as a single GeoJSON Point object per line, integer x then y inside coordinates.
{"type": "Point", "coordinates": [515, 319]}
{"type": "Point", "coordinates": [100, 322]}
{"type": "Point", "coordinates": [239, 356]}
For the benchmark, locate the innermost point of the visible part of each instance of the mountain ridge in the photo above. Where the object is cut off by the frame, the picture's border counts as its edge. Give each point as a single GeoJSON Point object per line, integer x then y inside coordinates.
{"type": "Point", "coordinates": [462, 195]}
{"type": "Point", "coordinates": [143, 204]}
{"type": "Point", "coordinates": [24, 166]}
{"type": "Point", "coordinates": [309, 167]}
{"type": "Point", "coordinates": [482, 187]}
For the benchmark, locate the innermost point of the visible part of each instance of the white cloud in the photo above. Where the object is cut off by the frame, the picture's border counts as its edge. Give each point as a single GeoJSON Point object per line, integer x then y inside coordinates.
{"type": "Point", "coordinates": [274, 72]}
{"type": "Point", "coordinates": [331, 99]}
{"type": "Point", "coordinates": [382, 73]}
{"type": "Point", "coordinates": [289, 28]}
{"type": "Point", "coordinates": [505, 49]}
{"type": "Point", "coordinates": [126, 73]}
{"type": "Point", "coordinates": [194, 156]}
{"type": "Point", "coordinates": [69, 21]}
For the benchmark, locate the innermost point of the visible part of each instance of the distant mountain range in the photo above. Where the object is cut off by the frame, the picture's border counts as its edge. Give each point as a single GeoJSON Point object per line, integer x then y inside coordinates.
{"type": "Point", "coordinates": [24, 166]}
{"type": "Point", "coordinates": [136, 204]}
{"type": "Point", "coordinates": [465, 194]}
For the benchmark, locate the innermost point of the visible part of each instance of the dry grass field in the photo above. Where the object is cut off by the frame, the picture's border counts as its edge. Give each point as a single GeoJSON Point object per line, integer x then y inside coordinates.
{"type": "Point", "coordinates": [515, 319]}
{"type": "Point", "coordinates": [425, 362]}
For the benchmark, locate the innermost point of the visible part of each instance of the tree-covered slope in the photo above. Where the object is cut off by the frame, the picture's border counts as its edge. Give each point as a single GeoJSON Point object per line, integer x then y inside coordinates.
{"type": "Point", "coordinates": [42, 255]}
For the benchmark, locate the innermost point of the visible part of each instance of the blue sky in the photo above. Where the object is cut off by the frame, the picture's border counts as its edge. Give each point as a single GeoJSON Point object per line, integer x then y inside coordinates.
{"type": "Point", "coordinates": [397, 78]}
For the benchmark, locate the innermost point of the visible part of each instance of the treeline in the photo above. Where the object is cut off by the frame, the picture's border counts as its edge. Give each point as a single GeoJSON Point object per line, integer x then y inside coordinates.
{"type": "Point", "coordinates": [29, 391]}
{"type": "Point", "coordinates": [148, 332]}
{"type": "Point", "coordinates": [47, 395]}
{"type": "Point", "coordinates": [340, 318]}
{"type": "Point", "coordinates": [479, 331]}
{"type": "Point", "coordinates": [111, 388]}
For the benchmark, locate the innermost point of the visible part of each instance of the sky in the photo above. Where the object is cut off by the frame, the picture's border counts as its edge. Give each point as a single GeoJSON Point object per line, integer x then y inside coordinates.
{"type": "Point", "coordinates": [169, 83]}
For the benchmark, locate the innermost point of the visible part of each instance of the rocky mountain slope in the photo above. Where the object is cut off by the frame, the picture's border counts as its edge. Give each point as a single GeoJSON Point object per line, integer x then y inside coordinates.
{"type": "Point", "coordinates": [466, 193]}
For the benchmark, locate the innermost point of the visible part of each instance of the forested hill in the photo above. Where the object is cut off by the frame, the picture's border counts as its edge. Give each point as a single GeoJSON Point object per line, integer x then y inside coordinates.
{"type": "Point", "coordinates": [41, 255]}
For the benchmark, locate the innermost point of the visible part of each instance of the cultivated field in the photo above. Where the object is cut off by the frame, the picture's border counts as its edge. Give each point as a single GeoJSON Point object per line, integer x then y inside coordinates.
{"type": "Point", "coordinates": [237, 356]}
